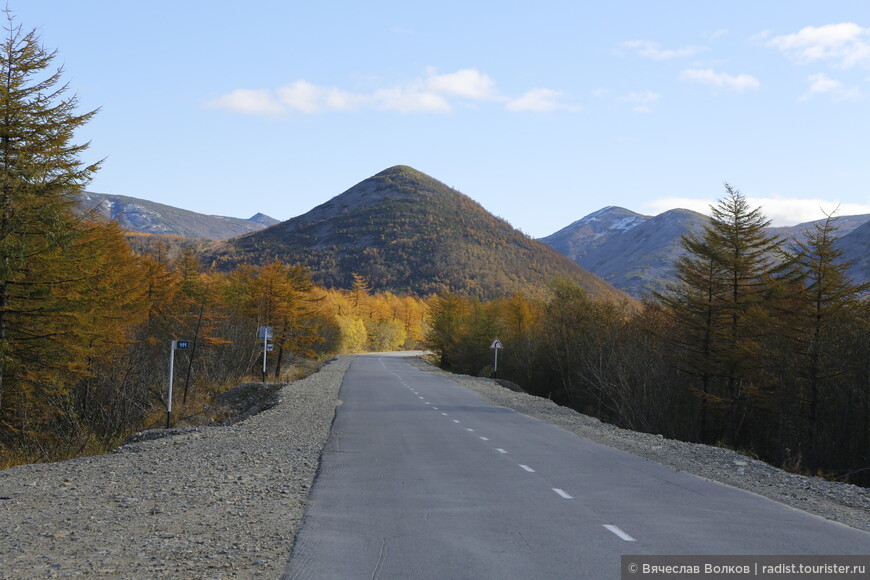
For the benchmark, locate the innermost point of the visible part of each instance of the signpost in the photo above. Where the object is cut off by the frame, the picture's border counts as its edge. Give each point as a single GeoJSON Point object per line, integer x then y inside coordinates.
{"type": "Point", "coordinates": [495, 347]}
{"type": "Point", "coordinates": [174, 345]}
{"type": "Point", "coordinates": [265, 334]}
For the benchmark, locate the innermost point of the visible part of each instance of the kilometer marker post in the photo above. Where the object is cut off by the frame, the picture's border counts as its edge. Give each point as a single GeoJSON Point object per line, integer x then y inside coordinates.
{"type": "Point", "coordinates": [265, 332]}
{"type": "Point", "coordinates": [174, 345]}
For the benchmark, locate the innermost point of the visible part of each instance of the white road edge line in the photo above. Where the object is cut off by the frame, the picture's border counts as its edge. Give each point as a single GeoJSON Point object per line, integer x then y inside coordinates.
{"type": "Point", "coordinates": [622, 535]}
{"type": "Point", "coordinates": [562, 493]}
{"type": "Point", "coordinates": [527, 468]}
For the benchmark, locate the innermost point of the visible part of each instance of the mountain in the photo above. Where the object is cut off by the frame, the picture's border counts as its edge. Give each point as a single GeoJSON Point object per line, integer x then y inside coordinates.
{"type": "Point", "coordinates": [148, 217]}
{"type": "Point", "coordinates": [592, 231]}
{"type": "Point", "coordinates": [856, 249]}
{"type": "Point", "coordinates": [640, 259]}
{"type": "Point", "coordinates": [634, 252]}
{"type": "Point", "coordinates": [407, 232]}
{"type": "Point", "coordinates": [845, 225]}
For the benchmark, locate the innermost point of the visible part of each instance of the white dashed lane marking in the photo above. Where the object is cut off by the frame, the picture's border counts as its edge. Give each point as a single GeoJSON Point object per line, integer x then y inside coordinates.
{"type": "Point", "coordinates": [560, 492]}
{"type": "Point", "coordinates": [622, 535]}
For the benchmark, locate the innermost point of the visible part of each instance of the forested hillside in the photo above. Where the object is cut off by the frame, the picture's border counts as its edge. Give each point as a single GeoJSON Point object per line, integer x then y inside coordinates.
{"type": "Point", "coordinates": [407, 232]}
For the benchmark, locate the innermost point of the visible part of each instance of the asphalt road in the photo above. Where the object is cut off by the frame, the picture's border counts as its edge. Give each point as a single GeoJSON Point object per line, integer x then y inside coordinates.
{"type": "Point", "coordinates": [421, 478]}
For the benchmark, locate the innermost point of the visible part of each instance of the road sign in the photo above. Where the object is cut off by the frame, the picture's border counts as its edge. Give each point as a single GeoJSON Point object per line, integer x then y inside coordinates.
{"type": "Point", "coordinates": [496, 344]}
{"type": "Point", "coordinates": [265, 333]}
{"type": "Point", "coordinates": [182, 344]}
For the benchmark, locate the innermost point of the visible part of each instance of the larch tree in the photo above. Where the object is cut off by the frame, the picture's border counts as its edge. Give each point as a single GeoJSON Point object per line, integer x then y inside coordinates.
{"type": "Point", "coordinates": [41, 175]}
{"type": "Point", "coordinates": [718, 304]}
{"type": "Point", "coordinates": [749, 259]}
{"type": "Point", "coordinates": [828, 298]}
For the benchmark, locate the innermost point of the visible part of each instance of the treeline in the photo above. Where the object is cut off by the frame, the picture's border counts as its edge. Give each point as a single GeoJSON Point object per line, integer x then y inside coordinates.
{"type": "Point", "coordinates": [86, 354]}
{"type": "Point", "coordinates": [762, 345]}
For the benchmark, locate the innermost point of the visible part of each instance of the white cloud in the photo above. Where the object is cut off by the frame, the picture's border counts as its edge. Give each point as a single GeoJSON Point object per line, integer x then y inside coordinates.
{"type": "Point", "coordinates": [467, 83]}
{"type": "Point", "coordinates": [540, 101]}
{"type": "Point", "coordinates": [715, 79]}
{"type": "Point", "coordinates": [411, 100]}
{"type": "Point", "coordinates": [845, 44]}
{"type": "Point", "coordinates": [249, 102]}
{"type": "Point", "coordinates": [433, 93]}
{"type": "Point", "coordinates": [653, 50]}
{"type": "Point", "coordinates": [782, 211]}
{"type": "Point", "coordinates": [641, 100]}
{"type": "Point", "coordinates": [823, 84]}
{"type": "Point", "coordinates": [430, 93]}
{"type": "Point", "coordinates": [304, 97]}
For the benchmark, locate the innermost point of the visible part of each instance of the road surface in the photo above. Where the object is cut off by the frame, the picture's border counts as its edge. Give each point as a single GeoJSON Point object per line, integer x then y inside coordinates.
{"type": "Point", "coordinates": [421, 478]}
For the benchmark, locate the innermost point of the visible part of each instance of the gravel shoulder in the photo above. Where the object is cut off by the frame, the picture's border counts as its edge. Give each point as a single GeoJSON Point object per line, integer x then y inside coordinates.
{"type": "Point", "coordinates": [839, 502]}
{"type": "Point", "coordinates": [206, 502]}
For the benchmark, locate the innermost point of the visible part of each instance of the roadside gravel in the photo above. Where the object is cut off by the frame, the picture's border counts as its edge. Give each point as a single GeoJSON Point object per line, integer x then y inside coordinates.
{"type": "Point", "coordinates": [226, 502]}
{"type": "Point", "coordinates": [840, 502]}
{"type": "Point", "coordinates": [207, 502]}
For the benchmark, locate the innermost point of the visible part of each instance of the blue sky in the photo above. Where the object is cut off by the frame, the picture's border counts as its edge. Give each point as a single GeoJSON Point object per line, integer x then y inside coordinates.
{"type": "Point", "coordinates": [543, 111]}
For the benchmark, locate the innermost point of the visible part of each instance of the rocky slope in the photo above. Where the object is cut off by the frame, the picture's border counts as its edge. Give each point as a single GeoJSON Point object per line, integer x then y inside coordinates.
{"type": "Point", "coordinates": [148, 217]}
{"type": "Point", "coordinates": [587, 234]}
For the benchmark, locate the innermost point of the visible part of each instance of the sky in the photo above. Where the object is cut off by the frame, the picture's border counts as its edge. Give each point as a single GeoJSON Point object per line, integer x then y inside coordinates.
{"type": "Point", "coordinates": [543, 112]}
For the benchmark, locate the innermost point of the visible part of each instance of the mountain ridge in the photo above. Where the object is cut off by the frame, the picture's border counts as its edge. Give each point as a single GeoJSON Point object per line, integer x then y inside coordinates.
{"type": "Point", "coordinates": [149, 217]}
{"type": "Point", "coordinates": [405, 231]}
{"type": "Point", "coordinates": [637, 253]}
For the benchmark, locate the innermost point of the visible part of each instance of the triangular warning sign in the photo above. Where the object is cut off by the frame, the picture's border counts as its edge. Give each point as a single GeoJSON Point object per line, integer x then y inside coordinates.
{"type": "Point", "coordinates": [496, 344]}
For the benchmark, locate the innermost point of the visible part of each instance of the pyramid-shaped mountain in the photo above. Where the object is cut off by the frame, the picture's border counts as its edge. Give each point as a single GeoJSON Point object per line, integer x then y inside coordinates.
{"type": "Point", "coordinates": [407, 232]}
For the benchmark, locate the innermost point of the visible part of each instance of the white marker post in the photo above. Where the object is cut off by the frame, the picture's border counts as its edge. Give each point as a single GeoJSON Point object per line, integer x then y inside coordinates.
{"type": "Point", "coordinates": [174, 345]}
{"type": "Point", "coordinates": [266, 335]}
{"type": "Point", "coordinates": [495, 347]}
